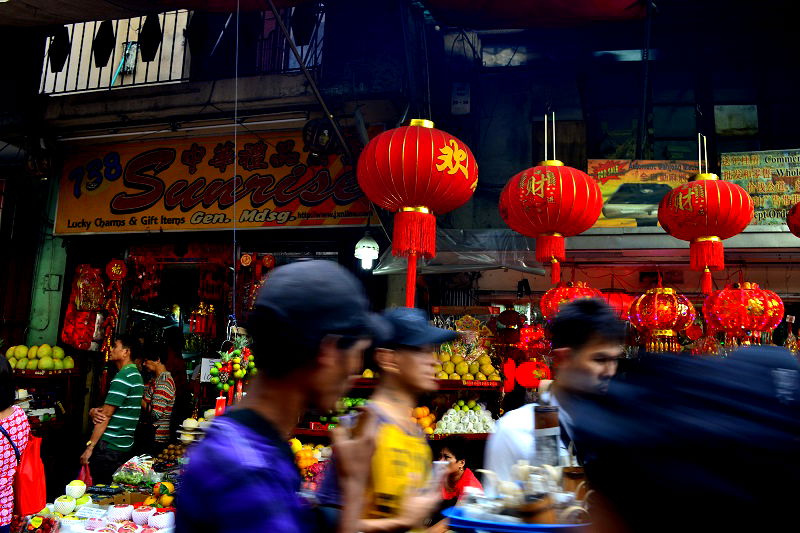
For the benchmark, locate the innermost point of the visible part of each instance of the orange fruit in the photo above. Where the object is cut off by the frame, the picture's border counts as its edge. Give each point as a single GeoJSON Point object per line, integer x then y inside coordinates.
{"type": "Point", "coordinates": [418, 413]}
{"type": "Point", "coordinates": [166, 500]}
{"type": "Point", "coordinates": [150, 501]}
{"type": "Point", "coordinates": [163, 488]}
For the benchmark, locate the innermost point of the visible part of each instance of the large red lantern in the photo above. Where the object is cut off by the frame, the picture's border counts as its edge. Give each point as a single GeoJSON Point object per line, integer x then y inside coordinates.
{"type": "Point", "coordinates": [738, 310]}
{"type": "Point", "coordinates": [416, 171]}
{"type": "Point", "coordinates": [659, 315]}
{"type": "Point", "coordinates": [549, 202]}
{"type": "Point", "coordinates": [620, 302]}
{"type": "Point", "coordinates": [565, 292]}
{"type": "Point", "coordinates": [705, 212]}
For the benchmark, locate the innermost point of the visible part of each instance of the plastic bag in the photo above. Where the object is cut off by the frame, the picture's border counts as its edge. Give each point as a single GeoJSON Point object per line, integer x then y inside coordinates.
{"type": "Point", "coordinates": [85, 475]}
{"type": "Point", "coordinates": [30, 490]}
{"type": "Point", "coordinates": [135, 471]}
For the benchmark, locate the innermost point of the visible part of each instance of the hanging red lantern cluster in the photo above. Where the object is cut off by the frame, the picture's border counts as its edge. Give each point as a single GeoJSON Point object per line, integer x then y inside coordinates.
{"type": "Point", "coordinates": [659, 315]}
{"type": "Point", "coordinates": [417, 172]}
{"type": "Point", "coordinates": [550, 202]}
{"type": "Point", "coordinates": [565, 292]}
{"type": "Point", "coordinates": [743, 311]}
{"type": "Point", "coordinates": [620, 302]}
{"type": "Point", "coordinates": [705, 212]}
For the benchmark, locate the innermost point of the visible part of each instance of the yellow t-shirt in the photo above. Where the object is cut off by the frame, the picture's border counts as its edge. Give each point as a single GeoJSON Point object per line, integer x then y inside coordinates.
{"type": "Point", "coordinates": [401, 463]}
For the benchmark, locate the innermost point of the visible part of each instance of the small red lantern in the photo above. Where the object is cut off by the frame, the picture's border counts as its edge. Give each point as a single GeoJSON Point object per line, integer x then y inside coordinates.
{"type": "Point", "coordinates": [620, 302]}
{"type": "Point", "coordinates": [565, 292]}
{"type": "Point", "coordinates": [705, 212]}
{"type": "Point", "coordinates": [659, 315]}
{"type": "Point", "coordinates": [793, 220]}
{"type": "Point", "coordinates": [549, 202]}
{"type": "Point", "coordinates": [416, 171]}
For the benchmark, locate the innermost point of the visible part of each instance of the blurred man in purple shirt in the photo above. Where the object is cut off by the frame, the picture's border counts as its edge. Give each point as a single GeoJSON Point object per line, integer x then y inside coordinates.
{"type": "Point", "coordinates": [310, 328]}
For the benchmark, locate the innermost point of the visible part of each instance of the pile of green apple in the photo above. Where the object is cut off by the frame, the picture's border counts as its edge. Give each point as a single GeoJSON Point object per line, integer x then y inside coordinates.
{"type": "Point", "coordinates": [44, 357]}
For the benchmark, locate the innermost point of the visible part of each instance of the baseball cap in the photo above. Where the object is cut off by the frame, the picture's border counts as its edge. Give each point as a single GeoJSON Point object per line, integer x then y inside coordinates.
{"type": "Point", "coordinates": [410, 327]}
{"type": "Point", "coordinates": [315, 298]}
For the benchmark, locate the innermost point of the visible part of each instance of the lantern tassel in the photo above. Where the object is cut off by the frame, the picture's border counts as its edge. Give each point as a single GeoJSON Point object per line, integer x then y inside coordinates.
{"type": "Point", "coordinates": [555, 271]}
{"type": "Point", "coordinates": [550, 247]}
{"type": "Point", "coordinates": [707, 253]}
{"type": "Point", "coordinates": [705, 281]}
{"type": "Point", "coordinates": [414, 232]}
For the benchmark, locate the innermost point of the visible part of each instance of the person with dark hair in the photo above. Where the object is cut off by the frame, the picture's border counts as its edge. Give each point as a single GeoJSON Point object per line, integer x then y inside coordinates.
{"type": "Point", "coordinates": [311, 326]}
{"type": "Point", "coordinates": [587, 340]}
{"type": "Point", "coordinates": [401, 494]}
{"type": "Point", "coordinates": [158, 399]}
{"type": "Point", "coordinates": [453, 449]}
{"type": "Point", "coordinates": [15, 434]}
{"type": "Point", "coordinates": [115, 421]}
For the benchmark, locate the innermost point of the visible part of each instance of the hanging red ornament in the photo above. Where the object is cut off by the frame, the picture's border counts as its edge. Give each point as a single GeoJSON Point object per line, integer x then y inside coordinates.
{"type": "Point", "coordinates": [744, 312]}
{"type": "Point", "coordinates": [418, 172]}
{"type": "Point", "coordinates": [793, 220]}
{"type": "Point", "coordinates": [705, 212]}
{"type": "Point", "coordinates": [659, 315]}
{"type": "Point", "coordinates": [619, 301]}
{"type": "Point", "coordinates": [550, 202]}
{"type": "Point", "coordinates": [563, 293]}
{"type": "Point", "coordinates": [116, 270]}
{"type": "Point", "coordinates": [268, 261]}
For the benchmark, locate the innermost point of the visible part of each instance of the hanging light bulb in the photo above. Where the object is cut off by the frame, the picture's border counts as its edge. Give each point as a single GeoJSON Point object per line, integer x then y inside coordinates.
{"type": "Point", "coordinates": [367, 250]}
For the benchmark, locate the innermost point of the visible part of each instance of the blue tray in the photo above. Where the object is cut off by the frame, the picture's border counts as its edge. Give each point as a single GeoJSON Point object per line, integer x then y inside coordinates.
{"type": "Point", "coordinates": [456, 520]}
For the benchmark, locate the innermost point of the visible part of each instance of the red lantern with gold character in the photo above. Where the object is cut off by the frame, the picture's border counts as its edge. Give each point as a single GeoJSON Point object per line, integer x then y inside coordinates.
{"type": "Point", "coordinates": [565, 292]}
{"type": "Point", "coordinates": [659, 315]}
{"type": "Point", "coordinates": [705, 212]}
{"type": "Point", "coordinates": [550, 202]}
{"type": "Point", "coordinates": [743, 311]}
{"type": "Point", "coordinates": [418, 172]}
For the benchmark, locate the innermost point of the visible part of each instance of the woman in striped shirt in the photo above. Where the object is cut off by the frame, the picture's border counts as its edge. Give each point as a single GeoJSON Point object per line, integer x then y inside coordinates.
{"type": "Point", "coordinates": [159, 397]}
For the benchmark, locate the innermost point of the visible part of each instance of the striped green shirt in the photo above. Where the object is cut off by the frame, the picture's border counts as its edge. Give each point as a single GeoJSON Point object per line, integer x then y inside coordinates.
{"type": "Point", "coordinates": [125, 393]}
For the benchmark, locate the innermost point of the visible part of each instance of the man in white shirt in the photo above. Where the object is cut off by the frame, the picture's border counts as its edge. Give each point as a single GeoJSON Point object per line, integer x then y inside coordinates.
{"type": "Point", "coordinates": [587, 340]}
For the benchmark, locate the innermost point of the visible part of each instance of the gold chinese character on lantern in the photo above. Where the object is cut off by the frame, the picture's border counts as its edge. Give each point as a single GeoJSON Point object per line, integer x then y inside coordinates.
{"type": "Point", "coordinates": [453, 159]}
{"type": "Point", "coordinates": [683, 200]}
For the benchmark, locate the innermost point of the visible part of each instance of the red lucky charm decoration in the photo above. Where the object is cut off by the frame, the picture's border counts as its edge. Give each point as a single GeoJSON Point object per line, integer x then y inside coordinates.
{"type": "Point", "coordinates": [659, 315]}
{"type": "Point", "coordinates": [549, 202]}
{"type": "Point", "coordinates": [563, 293]}
{"type": "Point", "coordinates": [705, 212]}
{"type": "Point", "coordinates": [416, 171]}
{"type": "Point", "coordinates": [116, 272]}
{"type": "Point", "coordinates": [743, 311]}
{"type": "Point", "coordinates": [620, 302]}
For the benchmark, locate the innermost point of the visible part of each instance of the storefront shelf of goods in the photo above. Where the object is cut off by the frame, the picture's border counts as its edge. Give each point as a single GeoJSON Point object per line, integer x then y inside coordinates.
{"type": "Point", "coordinates": [444, 384]}
{"type": "Point", "coordinates": [305, 432]}
{"type": "Point", "coordinates": [46, 374]}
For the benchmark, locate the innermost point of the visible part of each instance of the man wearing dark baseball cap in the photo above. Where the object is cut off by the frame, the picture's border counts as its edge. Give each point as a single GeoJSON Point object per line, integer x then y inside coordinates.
{"type": "Point", "coordinates": [311, 326]}
{"type": "Point", "coordinates": [401, 494]}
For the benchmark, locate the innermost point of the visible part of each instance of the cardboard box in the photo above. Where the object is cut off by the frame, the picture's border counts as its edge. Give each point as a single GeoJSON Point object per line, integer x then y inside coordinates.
{"type": "Point", "coordinates": [124, 498]}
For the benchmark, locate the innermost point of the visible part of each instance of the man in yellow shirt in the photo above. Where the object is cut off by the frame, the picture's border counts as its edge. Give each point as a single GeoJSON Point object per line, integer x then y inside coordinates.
{"type": "Point", "coordinates": [401, 493]}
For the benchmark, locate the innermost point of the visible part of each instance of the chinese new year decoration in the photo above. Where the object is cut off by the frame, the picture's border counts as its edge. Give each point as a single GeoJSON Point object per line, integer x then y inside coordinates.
{"type": "Point", "coordinates": [705, 212]}
{"type": "Point", "coordinates": [203, 320]}
{"type": "Point", "coordinates": [86, 300]}
{"type": "Point", "coordinates": [565, 292]}
{"type": "Point", "coordinates": [793, 220]}
{"type": "Point", "coordinates": [234, 367]}
{"type": "Point", "coordinates": [659, 315]}
{"type": "Point", "coordinates": [549, 202]}
{"type": "Point", "coordinates": [417, 172]}
{"type": "Point", "coordinates": [116, 272]}
{"type": "Point", "coordinates": [744, 312]}
{"type": "Point", "coordinates": [620, 302]}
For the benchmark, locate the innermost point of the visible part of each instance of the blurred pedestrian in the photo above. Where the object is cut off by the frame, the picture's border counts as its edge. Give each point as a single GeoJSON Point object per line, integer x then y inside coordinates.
{"type": "Point", "coordinates": [115, 421]}
{"type": "Point", "coordinates": [310, 329]}
{"type": "Point", "coordinates": [587, 340]}
{"type": "Point", "coordinates": [401, 493]}
{"type": "Point", "coordinates": [695, 444]}
{"type": "Point", "coordinates": [15, 434]}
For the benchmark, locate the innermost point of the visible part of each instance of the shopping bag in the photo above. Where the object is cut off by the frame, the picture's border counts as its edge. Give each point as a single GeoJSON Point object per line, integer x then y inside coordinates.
{"type": "Point", "coordinates": [30, 490]}
{"type": "Point", "coordinates": [85, 475]}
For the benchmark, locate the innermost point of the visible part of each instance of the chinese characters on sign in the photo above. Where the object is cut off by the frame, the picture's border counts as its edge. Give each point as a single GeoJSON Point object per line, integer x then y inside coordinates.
{"type": "Point", "coordinates": [209, 183]}
{"type": "Point", "coordinates": [771, 178]}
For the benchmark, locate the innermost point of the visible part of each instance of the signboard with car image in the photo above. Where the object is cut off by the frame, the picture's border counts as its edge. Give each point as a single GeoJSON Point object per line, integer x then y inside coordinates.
{"type": "Point", "coordinates": [632, 189]}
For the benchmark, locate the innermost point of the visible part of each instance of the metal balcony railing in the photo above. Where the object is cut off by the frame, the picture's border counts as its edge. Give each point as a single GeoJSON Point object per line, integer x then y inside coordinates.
{"type": "Point", "coordinates": [177, 46]}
